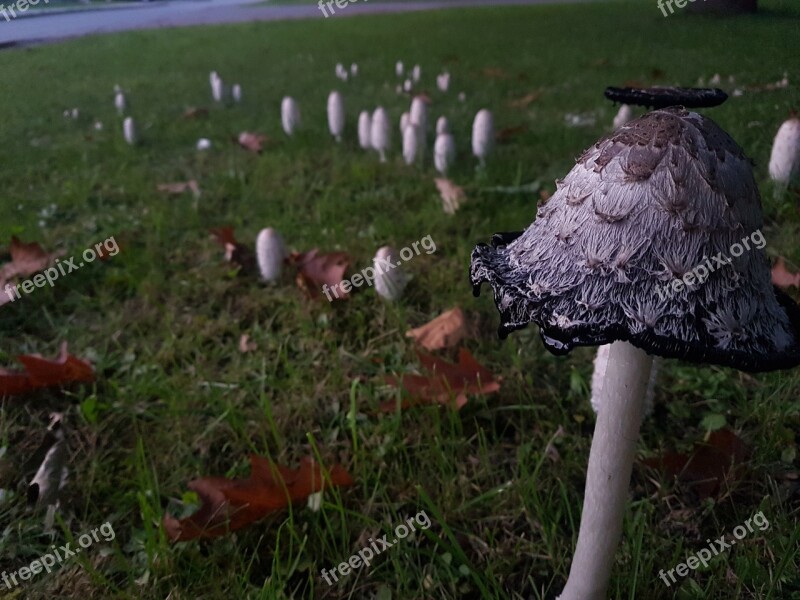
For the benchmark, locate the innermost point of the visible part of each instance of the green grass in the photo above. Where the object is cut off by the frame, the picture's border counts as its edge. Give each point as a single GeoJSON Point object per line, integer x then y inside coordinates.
{"type": "Point", "coordinates": [175, 399]}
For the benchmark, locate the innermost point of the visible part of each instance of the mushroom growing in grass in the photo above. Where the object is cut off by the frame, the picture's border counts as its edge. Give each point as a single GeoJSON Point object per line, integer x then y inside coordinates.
{"type": "Point", "coordinates": [270, 253]}
{"type": "Point", "coordinates": [290, 115]}
{"type": "Point", "coordinates": [444, 152]}
{"type": "Point", "coordinates": [482, 135]}
{"type": "Point", "coordinates": [641, 209]}
{"type": "Point", "coordinates": [784, 162]}
{"type": "Point", "coordinates": [419, 114]}
{"type": "Point", "coordinates": [390, 280]}
{"type": "Point", "coordinates": [398, 68]}
{"type": "Point", "coordinates": [416, 73]}
{"type": "Point", "coordinates": [442, 125]}
{"type": "Point", "coordinates": [336, 115]}
{"type": "Point", "coordinates": [236, 93]}
{"type": "Point", "coordinates": [411, 143]}
{"type": "Point", "coordinates": [364, 129]}
{"type": "Point", "coordinates": [129, 130]}
{"type": "Point", "coordinates": [119, 102]}
{"type": "Point", "coordinates": [379, 132]}
{"type": "Point", "coordinates": [217, 87]}
{"type": "Point", "coordinates": [405, 119]}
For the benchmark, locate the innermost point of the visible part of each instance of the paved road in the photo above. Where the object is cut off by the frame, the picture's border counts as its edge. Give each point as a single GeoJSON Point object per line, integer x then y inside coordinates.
{"type": "Point", "coordinates": [176, 13]}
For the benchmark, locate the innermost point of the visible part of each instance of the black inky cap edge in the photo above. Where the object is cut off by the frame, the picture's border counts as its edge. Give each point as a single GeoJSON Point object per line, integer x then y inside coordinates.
{"type": "Point", "coordinates": [662, 97]}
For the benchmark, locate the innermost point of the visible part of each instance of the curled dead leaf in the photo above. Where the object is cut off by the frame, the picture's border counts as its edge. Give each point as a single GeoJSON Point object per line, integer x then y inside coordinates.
{"type": "Point", "coordinates": [445, 331]}
{"type": "Point", "coordinates": [317, 271]}
{"type": "Point", "coordinates": [43, 373]}
{"type": "Point", "coordinates": [254, 142]}
{"type": "Point", "coordinates": [452, 195]}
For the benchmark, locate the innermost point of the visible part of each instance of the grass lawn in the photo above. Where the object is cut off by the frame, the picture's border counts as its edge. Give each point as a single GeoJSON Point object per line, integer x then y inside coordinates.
{"type": "Point", "coordinates": [175, 399]}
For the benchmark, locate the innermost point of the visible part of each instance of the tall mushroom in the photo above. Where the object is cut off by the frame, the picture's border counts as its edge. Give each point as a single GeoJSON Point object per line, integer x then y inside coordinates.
{"type": "Point", "coordinates": [364, 127]}
{"type": "Point", "coordinates": [482, 135]}
{"type": "Point", "coordinates": [379, 132]}
{"type": "Point", "coordinates": [641, 209]}
{"type": "Point", "coordinates": [336, 115]}
{"type": "Point", "coordinates": [290, 115]}
{"type": "Point", "coordinates": [784, 161]}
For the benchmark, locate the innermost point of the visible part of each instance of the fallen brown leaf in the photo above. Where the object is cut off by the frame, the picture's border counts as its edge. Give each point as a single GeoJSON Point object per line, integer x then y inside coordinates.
{"type": "Point", "coordinates": [231, 504]}
{"type": "Point", "coordinates": [711, 466]}
{"type": "Point", "coordinates": [26, 259]}
{"type": "Point", "coordinates": [254, 142]}
{"type": "Point", "coordinates": [235, 253]}
{"type": "Point", "coordinates": [445, 331]}
{"type": "Point", "coordinates": [446, 382]}
{"type": "Point", "coordinates": [525, 101]}
{"type": "Point", "coordinates": [179, 187]}
{"type": "Point", "coordinates": [245, 345]}
{"type": "Point", "coordinates": [315, 270]}
{"type": "Point", "coordinates": [42, 373]}
{"type": "Point", "coordinates": [782, 276]}
{"type": "Point", "coordinates": [452, 195]}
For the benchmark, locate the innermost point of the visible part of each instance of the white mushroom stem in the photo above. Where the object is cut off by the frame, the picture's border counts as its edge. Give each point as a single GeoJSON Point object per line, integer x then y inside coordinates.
{"type": "Point", "coordinates": [609, 472]}
{"type": "Point", "coordinates": [599, 377]}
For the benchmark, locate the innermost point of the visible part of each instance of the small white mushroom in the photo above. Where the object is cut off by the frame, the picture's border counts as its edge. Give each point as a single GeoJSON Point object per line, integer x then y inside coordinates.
{"type": "Point", "coordinates": [364, 129]}
{"type": "Point", "coordinates": [784, 163]}
{"type": "Point", "coordinates": [443, 81]}
{"type": "Point", "coordinates": [270, 253]}
{"type": "Point", "coordinates": [624, 115]}
{"type": "Point", "coordinates": [119, 102]}
{"type": "Point", "coordinates": [336, 115]}
{"type": "Point", "coordinates": [398, 68]}
{"type": "Point", "coordinates": [390, 280]}
{"type": "Point", "coordinates": [442, 125]}
{"type": "Point", "coordinates": [405, 119]}
{"type": "Point", "coordinates": [290, 115]}
{"type": "Point", "coordinates": [354, 69]}
{"type": "Point", "coordinates": [129, 130]}
{"type": "Point", "coordinates": [444, 152]}
{"type": "Point", "coordinates": [416, 73]}
{"type": "Point", "coordinates": [236, 93]}
{"type": "Point", "coordinates": [203, 144]}
{"type": "Point", "coordinates": [482, 135]}
{"type": "Point", "coordinates": [379, 132]}
{"type": "Point", "coordinates": [407, 85]}
{"type": "Point", "coordinates": [411, 143]}
{"type": "Point", "coordinates": [217, 87]}
{"type": "Point", "coordinates": [98, 126]}
{"type": "Point", "coordinates": [419, 114]}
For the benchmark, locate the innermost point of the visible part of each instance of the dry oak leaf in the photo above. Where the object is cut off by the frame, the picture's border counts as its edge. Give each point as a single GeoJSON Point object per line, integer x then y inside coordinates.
{"type": "Point", "coordinates": [445, 331]}
{"type": "Point", "coordinates": [26, 259]}
{"type": "Point", "coordinates": [252, 141]}
{"type": "Point", "coordinates": [179, 187]}
{"type": "Point", "coordinates": [446, 382]}
{"type": "Point", "coordinates": [525, 101]}
{"type": "Point", "coordinates": [782, 276]}
{"type": "Point", "coordinates": [41, 373]}
{"type": "Point", "coordinates": [452, 195]}
{"type": "Point", "coordinates": [710, 466]}
{"type": "Point", "coordinates": [235, 253]}
{"type": "Point", "coordinates": [315, 270]}
{"type": "Point", "coordinates": [231, 504]}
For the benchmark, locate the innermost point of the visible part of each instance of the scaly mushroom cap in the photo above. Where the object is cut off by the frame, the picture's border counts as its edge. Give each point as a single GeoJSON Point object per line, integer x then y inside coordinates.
{"type": "Point", "coordinates": [643, 206]}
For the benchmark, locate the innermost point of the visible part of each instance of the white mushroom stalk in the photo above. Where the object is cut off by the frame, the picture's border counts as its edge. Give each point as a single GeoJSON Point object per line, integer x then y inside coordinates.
{"type": "Point", "coordinates": [119, 102]}
{"type": "Point", "coordinates": [290, 115]}
{"type": "Point", "coordinates": [236, 93]}
{"type": "Point", "coordinates": [600, 373]}
{"type": "Point", "coordinates": [270, 253]}
{"type": "Point", "coordinates": [411, 143]}
{"type": "Point", "coordinates": [398, 68]}
{"type": "Point", "coordinates": [129, 130]}
{"type": "Point", "coordinates": [416, 73]}
{"type": "Point", "coordinates": [364, 129]}
{"type": "Point", "coordinates": [217, 87]}
{"type": "Point", "coordinates": [442, 125]}
{"type": "Point", "coordinates": [482, 135]}
{"type": "Point", "coordinates": [336, 115]}
{"type": "Point", "coordinates": [624, 115]}
{"type": "Point", "coordinates": [444, 152]}
{"type": "Point", "coordinates": [379, 132]}
{"type": "Point", "coordinates": [389, 281]}
{"type": "Point", "coordinates": [609, 472]}
{"type": "Point", "coordinates": [354, 69]}
{"type": "Point", "coordinates": [784, 162]}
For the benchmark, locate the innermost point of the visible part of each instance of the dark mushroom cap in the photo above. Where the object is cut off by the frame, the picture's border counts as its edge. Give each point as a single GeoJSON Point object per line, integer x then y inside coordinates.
{"type": "Point", "coordinates": [662, 97]}
{"type": "Point", "coordinates": [642, 207]}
